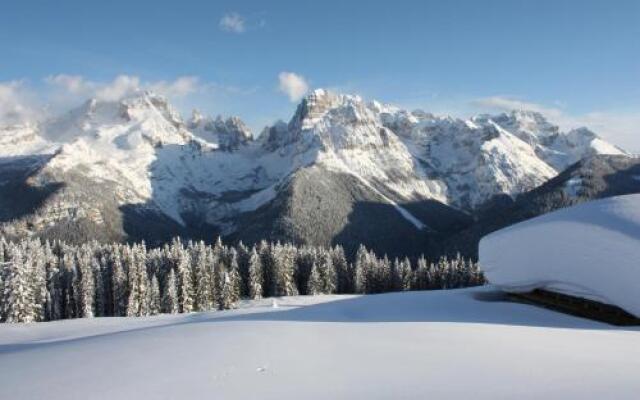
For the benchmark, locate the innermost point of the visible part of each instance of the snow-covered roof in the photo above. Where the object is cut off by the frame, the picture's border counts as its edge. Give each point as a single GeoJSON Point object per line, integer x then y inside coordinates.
{"type": "Point", "coordinates": [591, 251]}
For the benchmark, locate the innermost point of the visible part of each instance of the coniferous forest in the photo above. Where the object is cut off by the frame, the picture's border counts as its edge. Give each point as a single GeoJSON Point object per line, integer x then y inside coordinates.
{"type": "Point", "coordinates": [45, 281]}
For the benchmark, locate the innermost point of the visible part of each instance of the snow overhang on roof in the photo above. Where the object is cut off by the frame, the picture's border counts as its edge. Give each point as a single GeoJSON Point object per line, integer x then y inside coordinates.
{"type": "Point", "coordinates": [591, 251]}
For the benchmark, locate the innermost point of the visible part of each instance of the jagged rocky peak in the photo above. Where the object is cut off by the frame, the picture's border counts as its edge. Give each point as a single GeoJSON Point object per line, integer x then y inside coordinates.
{"type": "Point", "coordinates": [316, 104]}
{"type": "Point", "coordinates": [532, 121]}
{"type": "Point", "coordinates": [530, 126]}
{"type": "Point", "coordinates": [327, 120]}
{"type": "Point", "coordinates": [322, 103]}
{"type": "Point", "coordinates": [228, 134]}
{"type": "Point", "coordinates": [140, 103]}
{"type": "Point", "coordinates": [276, 136]}
{"type": "Point", "coordinates": [141, 114]}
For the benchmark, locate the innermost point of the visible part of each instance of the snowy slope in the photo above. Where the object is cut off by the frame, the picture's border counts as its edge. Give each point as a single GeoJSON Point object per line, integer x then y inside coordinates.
{"type": "Point", "coordinates": [443, 344]}
{"type": "Point", "coordinates": [590, 250]}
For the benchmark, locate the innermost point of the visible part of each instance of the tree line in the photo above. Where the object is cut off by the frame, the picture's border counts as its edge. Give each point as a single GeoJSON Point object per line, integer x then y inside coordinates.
{"type": "Point", "coordinates": [45, 281]}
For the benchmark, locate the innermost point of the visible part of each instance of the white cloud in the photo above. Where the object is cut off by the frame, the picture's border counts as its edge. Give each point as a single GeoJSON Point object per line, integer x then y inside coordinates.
{"type": "Point", "coordinates": [293, 85]}
{"type": "Point", "coordinates": [619, 127]}
{"type": "Point", "coordinates": [121, 86]}
{"type": "Point", "coordinates": [16, 102]}
{"type": "Point", "coordinates": [71, 83]}
{"type": "Point", "coordinates": [232, 22]}
{"type": "Point", "coordinates": [20, 100]}
{"type": "Point", "coordinates": [182, 86]}
{"type": "Point", "coordinates": [508, 104]}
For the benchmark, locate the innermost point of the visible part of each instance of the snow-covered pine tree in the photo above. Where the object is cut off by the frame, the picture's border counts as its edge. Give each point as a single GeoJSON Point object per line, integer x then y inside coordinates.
{"type": "Point", "coordinates": [396, 281]}
{"type": "Point", "coordinates": [85, 287]}
{"type": "Point", "coordinates": [133, 300]}
{"type": "Point", "coordinates": [234, 275]}
{"type": "Point", "coordinates": [225, 295]}
{"type": "Point", "coordinates": [255, 275]}
{"type": "Point", "coordinates": [18, 298]}
{"type": "Point", "coordinates": [54, 302]}
{"type": "Point", "coordinates": [443, 271]}
{"type": "Point", "coordinates": [343, 270]}
{"type": "Point", "coordinates": [406, 274]}
{"type": "Point", "coordinates": [266, 252]}
{"type": "Point", "coordinates": [143, 279]}
{"type": "Point", "coordinates": [305, 257]}
{"type": "Point", "coordinates": [360, 270]}
{"type": "Point", "coordinates": [38, 280]}
{"type": "Point", "coordinates": [243, 255]}
{"type": "Point", "coordinates": [421, 275]}
{"type": "Point", "coordinates": [153, 298]}
{"type": "Point", "coordinates": [69, 276]}
{"type": "Point", "coordinates": [100, 295]}
{"type": "Point", "coordinates": [170, 294]}
{"type": "Point", "coordinates": [185, 283]}
{"type": "Point", "coordinates": [282, 272]}
{"type": "Point", "coordinates": [315, 286]}
{"type": "Point", "coordinates": [327, 273]}
{"type": "Point", "coordinates": [203, 289]}
{"type": "Point", "coordinates": [118, 285]}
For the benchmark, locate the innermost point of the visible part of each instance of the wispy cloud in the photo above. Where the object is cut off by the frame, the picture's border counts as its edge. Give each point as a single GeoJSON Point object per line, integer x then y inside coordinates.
{"type": "Point", "coordinates": [120, 86]}
{"type": "Point", "coordinates": [507, 103]}
{"type": "Point", "coordinates": [619, 127]}
{"type": "Point", "coordinates": [232, 22]}
{"type": "Point", "coordinates": [17, 102]}
{"type": "Point", "coordinates": [22, 100]}
{"type": "Point", "coordinates": [293, 85]}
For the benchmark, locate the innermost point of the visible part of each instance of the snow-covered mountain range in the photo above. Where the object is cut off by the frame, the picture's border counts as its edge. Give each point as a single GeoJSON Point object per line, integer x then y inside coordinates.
{"type": "Point", "coordinates": [139, 153]}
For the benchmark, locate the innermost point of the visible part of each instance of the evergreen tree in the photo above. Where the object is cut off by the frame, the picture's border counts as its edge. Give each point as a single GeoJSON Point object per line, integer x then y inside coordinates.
{"type": "Point", "coordinates": [255, 275]}
{"type": "Point", "coordinates": [154, 296]}
{"type": "Point", "coordinates": [38, 281]}
{"type": "Point", "coordinates": [18, 298]}
{"type": "Point", "coordinates": [265, 251]}
{"type": "Point", "coordinates": [283, 272]}
{"type": "Point", "coordinates": [243, 255]}
{"type": "Point", "coordinates": [84, 288]}
{"type": "Point", "coordinates": [203, 289]}
{"type": "Point", "coordinates": [100, 300]}
{"type": "Point", "coordinates": [118, 286]}
{"type": "Point", "coordinates": [234, 275]}
{"type": "Point", "coordinates": [360, 270]}
{"type": "Point", "coordinates": [54, 293]}
{"type": "Point", "coordinates": [343, 271]}
{"type": "Point", "coordinates": [170, 295]}
{"type": "Point", "coordinates": [327, 273]}
{"type": "Point", "coordinates": [225, 297]}
{"type": "Point", "coordinates": [315, 285]}
{"type": "Point", "coordinates": [185, 284]}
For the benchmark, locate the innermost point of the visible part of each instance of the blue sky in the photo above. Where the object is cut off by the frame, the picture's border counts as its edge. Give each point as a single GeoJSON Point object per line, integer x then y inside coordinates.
{"type": "Point", "coordinates": [579, 61]}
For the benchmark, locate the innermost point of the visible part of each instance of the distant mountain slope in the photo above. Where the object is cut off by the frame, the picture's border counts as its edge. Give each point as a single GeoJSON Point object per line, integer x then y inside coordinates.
{"type": "Point", "coordinates": [134, 169]}
{"type": "Point", "coordinates": [592, 178]}
{"type": "Point", "coordinates": [324, 207]}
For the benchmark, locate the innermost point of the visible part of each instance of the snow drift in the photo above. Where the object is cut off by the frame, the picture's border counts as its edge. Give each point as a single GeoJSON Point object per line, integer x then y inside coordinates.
{"type": "Point", "coordinates": [446, 344]}
{"type": "Point", "coordinates": [590, 251]}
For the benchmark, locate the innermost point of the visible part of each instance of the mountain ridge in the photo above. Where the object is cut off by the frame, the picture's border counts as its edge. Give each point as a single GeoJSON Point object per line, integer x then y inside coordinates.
{"type": "Point", "coordinates": [212, 173]}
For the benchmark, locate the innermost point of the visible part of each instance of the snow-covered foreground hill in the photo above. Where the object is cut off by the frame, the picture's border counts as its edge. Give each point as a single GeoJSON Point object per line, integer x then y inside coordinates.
{"type": "Point", "coordinates": [440, 344]}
